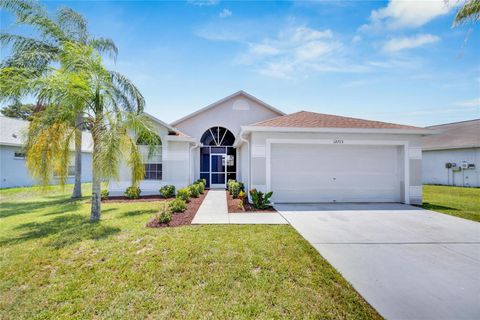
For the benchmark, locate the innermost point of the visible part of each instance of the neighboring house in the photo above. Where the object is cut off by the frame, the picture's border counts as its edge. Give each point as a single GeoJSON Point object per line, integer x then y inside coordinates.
{"type": "Point", "coordinates": [301, 157]}
{"type": "Point", "coordinates": [452, 156]}
{"type": "Point", "coordinates": [13, 170]}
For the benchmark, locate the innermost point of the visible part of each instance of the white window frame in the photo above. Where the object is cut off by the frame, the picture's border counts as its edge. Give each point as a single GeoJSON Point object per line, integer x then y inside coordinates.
{"type": "Point", "coordinates": [156, 158]}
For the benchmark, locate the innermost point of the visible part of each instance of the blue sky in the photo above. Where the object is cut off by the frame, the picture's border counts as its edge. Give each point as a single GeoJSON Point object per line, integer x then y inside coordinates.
{"type": "Point", "coordinates": [396, 61]}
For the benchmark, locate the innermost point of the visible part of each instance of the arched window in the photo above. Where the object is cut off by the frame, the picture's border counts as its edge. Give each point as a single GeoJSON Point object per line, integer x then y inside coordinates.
{"type": "Point", "coordinates": [217, 157]}
{"type": "Point", "coordinates": [217, 136]}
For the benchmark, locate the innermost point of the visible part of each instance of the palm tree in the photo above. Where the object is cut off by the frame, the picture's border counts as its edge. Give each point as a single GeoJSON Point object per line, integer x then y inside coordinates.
{"type": "Point", "coordinates": [110, 104]}
{"type": "Point", "coordinates": [469, 12]}
{"type": "Point", "coordinates": [41, 52]}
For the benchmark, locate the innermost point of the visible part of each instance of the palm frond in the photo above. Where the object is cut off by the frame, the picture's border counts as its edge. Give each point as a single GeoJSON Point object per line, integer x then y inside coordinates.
{"type": "Point", "coordinates": [48, 149]}
{"type": "Point", "coordinates": [21, 8]}
{"type": "Point", "coordinates": [128, 89]}
{"type": "Point", "coordinates": [469, 12]}
{"type": "Point", "coordinates": [105, 46]}
{"type": "Point", "coordinates": [73, 24]}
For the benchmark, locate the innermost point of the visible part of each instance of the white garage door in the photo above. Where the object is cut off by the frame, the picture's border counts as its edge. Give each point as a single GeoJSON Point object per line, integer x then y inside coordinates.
{"type": "Point", "coordinates": [335, 173]}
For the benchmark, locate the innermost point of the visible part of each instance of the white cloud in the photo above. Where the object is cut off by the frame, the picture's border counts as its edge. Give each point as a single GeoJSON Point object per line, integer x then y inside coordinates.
{"type": "Point", "coordinates": [298, 51]}
{"type": "Point", "coordinates": [294, 50]}
{"type": "Point", "coordinates": [225, 13]}
{"type": "Point", "coordinates": [203, 3]}
{"type": "Point", "coordinates": [356, 39]}
{"type": "Point", "coordinates": [407, 14]}
{"type": "Point", "coordinates": [403, 43]}
{"type": "Point", "coordinates": [469, 103]}
{"type": "Point", "coordinates": [263, 49]}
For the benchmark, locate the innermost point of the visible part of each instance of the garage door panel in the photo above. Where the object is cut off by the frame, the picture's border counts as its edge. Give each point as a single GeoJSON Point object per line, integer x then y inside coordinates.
{"type": "Point", "coordinates": [324, 173]}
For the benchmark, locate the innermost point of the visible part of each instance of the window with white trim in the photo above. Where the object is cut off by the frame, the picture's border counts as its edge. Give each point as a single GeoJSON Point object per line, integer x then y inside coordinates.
{"type": "Point", "coordinates": [152, 162]}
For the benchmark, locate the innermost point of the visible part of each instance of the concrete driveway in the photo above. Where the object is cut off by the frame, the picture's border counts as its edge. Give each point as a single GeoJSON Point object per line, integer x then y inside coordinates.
{"type": "Point", "coordinates": [408, 263]}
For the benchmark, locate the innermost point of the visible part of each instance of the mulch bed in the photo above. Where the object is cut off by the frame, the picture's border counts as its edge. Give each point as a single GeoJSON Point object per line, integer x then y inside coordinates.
{"type": "Point", "coordinates": [120, 199]}
{"type": "Point", "coordinates": [181, 218]}
{"type": "Point", "coordinates": [233, 206]}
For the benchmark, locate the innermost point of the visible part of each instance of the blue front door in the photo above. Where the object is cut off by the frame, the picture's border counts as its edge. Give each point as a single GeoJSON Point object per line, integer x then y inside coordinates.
{"type": "Point", "coordinates": [218, 174]}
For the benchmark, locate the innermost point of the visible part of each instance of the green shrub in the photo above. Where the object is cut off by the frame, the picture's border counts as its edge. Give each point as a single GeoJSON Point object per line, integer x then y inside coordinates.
{"type": "Point", "coordinates": [230, 183]}
{"type": "Point", "coordinates": [260, 200]}
{"type": "Point", "coordinates": [194, 190]}
{"type": "Point", "coordinates": [164, 215]}
{"type": "Point", "coordinates": [133, 192]}
{"type": "Point", "coordinates": [177, 205]}
{"type": "Point", "coordinates": [235, 189]}
{"type": "Point", "coordinates": [204, 181]}
{"type": "Point", "coordinates": [167, 191]}
{"type": "Point", "coordinates": [201, 186]}
{"type": "Point", "coordinates": [184, 194]}
{"type": "Point", "coordinates": [104, 194]}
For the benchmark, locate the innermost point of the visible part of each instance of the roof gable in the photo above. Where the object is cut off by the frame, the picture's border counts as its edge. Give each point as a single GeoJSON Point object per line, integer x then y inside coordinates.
{"type": "Point", "coordinates": [172, 131]}
{"type": "Point", "coordinates": [221, 101]}
{"type": "Point", "coordinates": [305, 119]}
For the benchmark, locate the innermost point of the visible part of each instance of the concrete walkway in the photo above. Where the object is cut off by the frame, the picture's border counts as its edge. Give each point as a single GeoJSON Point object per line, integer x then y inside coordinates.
{"type": "Point", "coordinates": [214, 210]}
{"type": "Point", "coordinates": [408, 263]}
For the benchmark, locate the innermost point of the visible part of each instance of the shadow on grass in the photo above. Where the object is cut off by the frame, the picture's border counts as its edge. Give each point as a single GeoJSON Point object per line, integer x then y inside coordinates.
{"type": "Point", "coordinates": [137, 213]}
{"type": "Point", "coordinates": [61, 205]}
{"type": "Point", "coordinates": [64, 231]}
{"type": "Point", "coordinates": [430, 206]}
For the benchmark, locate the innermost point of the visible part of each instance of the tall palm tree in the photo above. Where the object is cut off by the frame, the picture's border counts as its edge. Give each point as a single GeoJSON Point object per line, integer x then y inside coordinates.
{"type": "Point", "coordinates": [110, 104]}
{"type": "Point", "coordinates": [469, 12]}
{"type": "Point", "coordinates": [44, 50]}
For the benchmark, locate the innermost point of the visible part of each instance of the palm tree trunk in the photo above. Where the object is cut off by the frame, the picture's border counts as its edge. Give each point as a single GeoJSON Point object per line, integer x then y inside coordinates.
{"type": "Point", "coordinates": [95, 210]}
{"type": "Point", "coordinates": [77, 187]}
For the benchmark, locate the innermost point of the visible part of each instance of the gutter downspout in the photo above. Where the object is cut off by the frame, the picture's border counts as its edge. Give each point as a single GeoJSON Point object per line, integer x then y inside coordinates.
{"type": "Point", "coordinates": [248, 164]}
{"type": "Point", "coordinates": [190, 162]}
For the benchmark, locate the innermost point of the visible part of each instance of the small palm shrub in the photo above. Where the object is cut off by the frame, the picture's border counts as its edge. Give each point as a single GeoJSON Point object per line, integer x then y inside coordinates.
{"type": "Point", "coordinates": [104, 194]}
{"type": "Point", "coordinates": [164, 215]}
{"type": "Point", "coordinates": [184, 194]}
{"type": "Point", "coordinates": [177, 205]}
{"type": "Point", "coordinates": [133, 192]}
{"type": "Point", "coordinates": [167, 191]}
{"type": "Point", "coordinates": [260, 200]}
{"type": "Point", "coordinates": [194, 190]}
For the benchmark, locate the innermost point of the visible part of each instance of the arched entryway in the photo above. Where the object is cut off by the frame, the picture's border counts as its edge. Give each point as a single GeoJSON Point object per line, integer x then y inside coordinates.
{"type": "Point", "coordinates": [217, 157]}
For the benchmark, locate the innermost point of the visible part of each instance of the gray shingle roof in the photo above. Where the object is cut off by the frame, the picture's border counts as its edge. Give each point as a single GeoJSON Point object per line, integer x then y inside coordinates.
{"type": "Point", "coordinates": [465, 134]}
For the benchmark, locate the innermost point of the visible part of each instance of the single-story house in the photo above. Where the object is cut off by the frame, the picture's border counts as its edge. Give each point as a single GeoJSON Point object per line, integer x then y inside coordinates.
{"type": "Point", "coordinates": [13, 171]}
{"type": "Point", "coordinates": [302, 157]}
{"type": "Point", "coordinates": [452, 156]}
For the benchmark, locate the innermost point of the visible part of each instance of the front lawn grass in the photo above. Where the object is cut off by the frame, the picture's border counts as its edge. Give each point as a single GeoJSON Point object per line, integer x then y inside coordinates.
{"type": "Point", "coordinates": [54, 263]}
{"type": "Point", "coordinates": [456, 201]}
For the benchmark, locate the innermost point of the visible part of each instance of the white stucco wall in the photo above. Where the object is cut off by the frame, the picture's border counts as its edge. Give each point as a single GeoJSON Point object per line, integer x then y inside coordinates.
{"type": "Point", "coordinates": [434, 171]}
{"type": "Point", "coordinates": [175, 168]}
{"type": "Point", "coordinates": [258, 141]}
{"type": "Point", "coordinates": [14, 173]}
